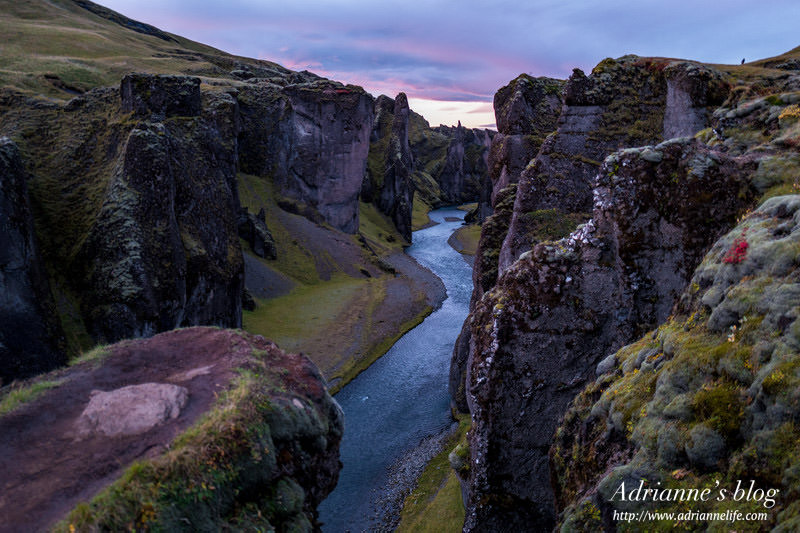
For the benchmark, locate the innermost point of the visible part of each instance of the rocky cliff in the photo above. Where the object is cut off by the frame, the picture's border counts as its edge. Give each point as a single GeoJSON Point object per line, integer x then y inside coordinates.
{"type": "Point", "coordinates": [466, 165]}
{"type": "Point", "coordinates": [554, 314]}
{"type": "Point", "coordinates": [564, 305]}
{"type": "Point", "coordinates": [31, 340]}
{"type": "Point", "coordinates": [137, 206]}
{"type": "Point", "coordinates": [526, 111]}
{"type": "Point", "coordinates": [449, 163]}
{"type": "Point", "coordinates": [198, 429]}
{"type": "Point", "coordinates": [623, 103]}
{"type": "Point", "coordinates": [312, 138]}
{"type": "Point", "coordinates": [709, 399]}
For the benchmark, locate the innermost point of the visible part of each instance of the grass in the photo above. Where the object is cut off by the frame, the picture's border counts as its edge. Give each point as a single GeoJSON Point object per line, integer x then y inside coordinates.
{"type": "Point", "coordinates": [312, 317]}
{"type": "Point", "coordinates": [419, 213]}
{"type": "Point", "coordinates": [378, 229]}
{"type": "Point", "coordinates": [15, 396]}
{"type": "Point", "coordinates": [465, 239]}
{"type": "Point", "coordinates": [435, 505]}
{"type": "Point", "coordinates": [468, 207]}
{"type": "Point", "coordinates": [95, 356]}
{"type": "Point", "coordinates": [293, 259]}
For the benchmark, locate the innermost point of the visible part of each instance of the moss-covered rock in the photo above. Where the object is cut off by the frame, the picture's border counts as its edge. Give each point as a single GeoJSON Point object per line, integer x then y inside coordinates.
{"type": "Point", "coordinates": [722, 405]}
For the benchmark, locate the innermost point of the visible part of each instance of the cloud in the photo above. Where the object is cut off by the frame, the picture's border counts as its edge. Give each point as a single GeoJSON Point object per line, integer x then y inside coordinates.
{"type": "Point", "coordinates": [465, 50]}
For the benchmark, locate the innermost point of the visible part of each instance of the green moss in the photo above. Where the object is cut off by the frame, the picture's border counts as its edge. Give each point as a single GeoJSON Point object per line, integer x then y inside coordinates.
{"type": "Point", "coordinates": [552, 224]}
{"type": "Point", "coordinates": [720, 407]}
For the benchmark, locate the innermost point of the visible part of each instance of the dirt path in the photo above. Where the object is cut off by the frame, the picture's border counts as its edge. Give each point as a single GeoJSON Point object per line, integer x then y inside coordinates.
{"type": "Point", "coordinates": [46, 470]}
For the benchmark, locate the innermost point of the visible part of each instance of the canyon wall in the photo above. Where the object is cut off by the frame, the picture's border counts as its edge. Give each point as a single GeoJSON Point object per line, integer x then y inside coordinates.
{"type": "Point", "coordinates": [600, 245]}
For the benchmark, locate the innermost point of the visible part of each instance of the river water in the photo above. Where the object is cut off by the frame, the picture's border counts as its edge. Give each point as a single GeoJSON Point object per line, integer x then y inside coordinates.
{"type": "Point", "coordinates": [401, 398]}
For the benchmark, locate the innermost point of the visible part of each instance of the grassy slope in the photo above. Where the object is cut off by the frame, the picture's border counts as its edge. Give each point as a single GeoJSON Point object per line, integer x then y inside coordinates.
{"type": "Point", "coordinates": [79, 50]}
{"type": "Point", "coordinates": [435, 505]}
{"type": "Point", "coordinates": [332, 321]}
{"type": "Point", "coordinates": [465, 239]}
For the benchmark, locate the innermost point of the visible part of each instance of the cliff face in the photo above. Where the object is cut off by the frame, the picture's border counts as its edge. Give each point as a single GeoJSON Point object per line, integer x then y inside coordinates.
{"type": "Point", "coordinates": [202, 429]}
{"type": "Point", "coordinates": [312, 138]}
{"type": "Point", "coordinates": [624, 102]}
{"type": "Point", "coordinates": [526, 111]}
{"type": "Point", "coordinates": [466, 165]}
{"type": "Point", "coordinates": [397, 191]}
{"type": "Point", "coordinates": [555, 313]}
{"type": "Point", "coordinates": [164, 249]}
{"type": "Point", "coordinates": [566, 304]}
{"type": "Point", "coordinates": [449, 163]}
{"type": "Point", "coordinates": [30, 339]}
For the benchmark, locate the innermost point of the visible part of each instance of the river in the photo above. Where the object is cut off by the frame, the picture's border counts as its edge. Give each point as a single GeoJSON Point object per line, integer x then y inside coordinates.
{"type": "Point", "coordinates": [401, 398]}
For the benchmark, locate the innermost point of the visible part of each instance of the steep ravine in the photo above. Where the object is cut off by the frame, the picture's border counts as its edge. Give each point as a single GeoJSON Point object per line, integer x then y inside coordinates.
{"type": "Point", "coordinates": [402, 398]}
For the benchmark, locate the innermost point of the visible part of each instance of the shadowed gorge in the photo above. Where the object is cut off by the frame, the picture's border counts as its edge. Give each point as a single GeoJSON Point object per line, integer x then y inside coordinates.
{"type": "Point", "coordinates": [199, 250]}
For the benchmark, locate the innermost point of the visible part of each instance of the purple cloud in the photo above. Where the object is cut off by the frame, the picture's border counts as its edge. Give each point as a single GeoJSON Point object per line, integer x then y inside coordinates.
{"type": "Point", "coordinates": [464, 51]}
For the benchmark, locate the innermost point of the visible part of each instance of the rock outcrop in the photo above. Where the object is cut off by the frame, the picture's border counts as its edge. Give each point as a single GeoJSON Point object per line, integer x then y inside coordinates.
{"type": "Point", "coordinates": [397, 190]}
{"type": "Point", "coordinates": [526, 111]}
{"type": "Point", "coordinates": [222, 430]}
{"type": "Point", "coordinates": [253, 229]}
{"type": "Point", "coordinates": [709, 399]}
{"type": "Point", "coordinates": [559, 310]}
{"type": "Point", "coordinates": [30, 337]}
{"type": "Point", "coordinates": [629, 101]}
{"type": "Point", "coordinates": [312, 138]}
{"type": "Point", "coordinates": [466, 165]}
{"type": "Point", "coordinates": [163, 251]}
{"type": "Point", "coordinates": [625, 102]}
{"type": "Point", "coordinates": [136, 205]}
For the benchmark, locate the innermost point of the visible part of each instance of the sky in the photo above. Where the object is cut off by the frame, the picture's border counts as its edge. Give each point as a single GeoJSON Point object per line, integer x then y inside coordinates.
{"type": "Point", "coordinates": [451, 56]}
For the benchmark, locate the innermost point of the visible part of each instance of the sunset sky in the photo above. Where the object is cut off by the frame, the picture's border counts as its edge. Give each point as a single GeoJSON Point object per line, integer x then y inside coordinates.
{"type": "Point", "coordinates": [451, 56]}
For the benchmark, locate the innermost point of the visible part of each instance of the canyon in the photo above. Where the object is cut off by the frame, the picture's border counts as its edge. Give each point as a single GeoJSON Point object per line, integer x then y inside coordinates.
{"type": "Point", "coordinates": [170, 212]}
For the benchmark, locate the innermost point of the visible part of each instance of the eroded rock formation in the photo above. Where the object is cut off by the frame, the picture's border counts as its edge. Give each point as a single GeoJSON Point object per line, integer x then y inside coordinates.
{"type": "Point", "coordinates": [312, 138]}
{"type": "Point", "coordinates": [397, 190]}
{"type": "Point", "coordinates": [163, 251]}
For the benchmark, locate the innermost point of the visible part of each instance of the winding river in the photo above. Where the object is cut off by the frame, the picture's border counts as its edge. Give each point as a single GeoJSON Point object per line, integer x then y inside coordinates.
{"type": "Point", "coordinates": [402, 398]}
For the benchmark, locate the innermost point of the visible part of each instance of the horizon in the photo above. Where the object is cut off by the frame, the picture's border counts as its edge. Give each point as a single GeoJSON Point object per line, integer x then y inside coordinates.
{"type": "Point", "coordinates": [443, 55]}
